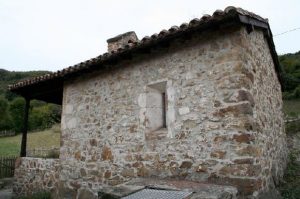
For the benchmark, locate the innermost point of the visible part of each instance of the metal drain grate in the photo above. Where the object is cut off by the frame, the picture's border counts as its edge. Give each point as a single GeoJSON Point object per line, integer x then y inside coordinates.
{"type": "Point", "coordinates": [156, 194]}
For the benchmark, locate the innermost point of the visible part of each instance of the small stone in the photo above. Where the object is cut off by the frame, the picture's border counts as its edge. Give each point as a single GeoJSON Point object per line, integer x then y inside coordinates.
{"type": "Point", "coordinates": [244, 161]}
{"type": "Point", "coordinates": [82, 172]}
{"type": "Point", "coordinates": [75, 184]}
{"type": "Point", "coordinates": [142, 172]}
{"type": "Point", "coordinates": [85, 193]}
{"type": "Point", "coordinates": [183, 110]}
{"type": "Point", "coordinates": [69, 109]}
{"type": "Point", "coordinates": [240, 96]}
{"type": "Point", "coordinates": [72, 123]}
{"type": "Point", "coordinates": [107, 174]}
{"type": "Point", "coordinates": [18, 162]}
{"type": "Point", "coordinates": [138, 164]}
{"type": "Point", "coordinates": [93, 142]}
{"type": "Point", "coordinates": [127, 172]}
{"type": "Point", "coordinates": [244, 185]}
{"type": "Point", "coordinates": [201, 168]}
{"type": "Point", "coordinates": [250, 151]}
{"type": "Point", "coordinates": [217, 103]}
{"type": "Point", "coordinates": [106, 154]}
{"type": "Point", "coordinates": [220, 138]}
{"type": "Point", "coordinates": [78, 155]}
{"type": "Point", "coordinates": [115, 181]}
{"type": "Point", "coordinates": [218, 154]}
{"type": "Point", "coordinates": [94, 172]}
{"type": "Point", "coordinates": [235, 110]}
{"type": "Point", "coordinates": [244, 95]}
{"type": "Point", "coordinates": [186, 165]}
{"type": "Point", "coordinates": [133, 129]}
{"type": "Point", "coordinates": [245, 138]}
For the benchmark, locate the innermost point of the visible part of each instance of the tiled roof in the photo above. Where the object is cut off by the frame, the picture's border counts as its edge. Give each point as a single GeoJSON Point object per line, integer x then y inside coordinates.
{"type": "Point", "coordinates": [217, 17]}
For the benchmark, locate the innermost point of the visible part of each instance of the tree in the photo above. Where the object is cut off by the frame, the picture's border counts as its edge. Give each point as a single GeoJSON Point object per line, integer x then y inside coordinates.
{"type": "Point", "coordinates": [43, 116]}
{"type": "Point", "coordinates": [5, 120]}
{"type": "Point", "coordinates": [290, 64]}
{"type": "Point", "coordinates": [16, 109]}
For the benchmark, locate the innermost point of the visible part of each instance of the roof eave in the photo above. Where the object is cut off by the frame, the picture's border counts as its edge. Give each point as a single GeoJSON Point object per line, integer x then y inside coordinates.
{"type": "Point", "coordinates": [219, 19]}
{"type": "Point", "coordinates": [252, 22]}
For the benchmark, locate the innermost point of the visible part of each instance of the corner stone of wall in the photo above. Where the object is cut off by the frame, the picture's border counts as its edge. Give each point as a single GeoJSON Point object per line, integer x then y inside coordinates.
{"type": "Point", "coordinates": [33, 175]}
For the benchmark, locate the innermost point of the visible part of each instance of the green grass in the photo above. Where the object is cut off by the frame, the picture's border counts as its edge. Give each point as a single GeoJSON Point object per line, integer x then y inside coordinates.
{"type": "Point", "coordinates": [10, 146]}
{"type": "Point", "coordinates": [291, 107]}
{"type": "Point", "coordinates": [290, 185]}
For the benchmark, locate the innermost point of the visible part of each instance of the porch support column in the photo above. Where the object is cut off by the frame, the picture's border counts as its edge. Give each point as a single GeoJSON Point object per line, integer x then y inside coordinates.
{"type": "Point", "coordinates": [25, 127]}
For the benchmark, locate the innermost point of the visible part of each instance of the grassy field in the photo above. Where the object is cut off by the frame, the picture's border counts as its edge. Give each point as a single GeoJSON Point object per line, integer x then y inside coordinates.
{"type": "Point", "coordinates": [10, 146]}
{"type": "Point", "coordinates": [291, 107]}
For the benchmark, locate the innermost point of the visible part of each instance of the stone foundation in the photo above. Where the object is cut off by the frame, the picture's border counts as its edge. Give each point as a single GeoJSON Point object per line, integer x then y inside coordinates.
{"type": "Point", "coordinates": [33, 175]}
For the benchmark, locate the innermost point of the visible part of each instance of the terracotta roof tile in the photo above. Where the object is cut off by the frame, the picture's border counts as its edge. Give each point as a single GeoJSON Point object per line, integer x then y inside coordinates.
{"type": "Point", "coordinates": [195, 23]}
{"type": "Point", "coordinates": [184, 26]}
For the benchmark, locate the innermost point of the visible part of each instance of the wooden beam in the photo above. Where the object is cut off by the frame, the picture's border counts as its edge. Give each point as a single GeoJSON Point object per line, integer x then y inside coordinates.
{"type": "Point", "coordinates": [25, 128]}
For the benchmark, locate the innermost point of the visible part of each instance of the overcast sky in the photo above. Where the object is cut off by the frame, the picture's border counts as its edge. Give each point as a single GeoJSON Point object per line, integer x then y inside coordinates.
{"type": "Point", "coordinates": [54, 34]}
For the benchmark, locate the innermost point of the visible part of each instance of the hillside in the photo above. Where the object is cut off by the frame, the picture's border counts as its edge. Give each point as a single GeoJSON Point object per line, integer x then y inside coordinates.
{"type": "Point", "coordinates": [42, 115]}
{"type": "Point", "coordinates": [8, 77]}
{"type": "Point", "coordinates": [290, 64]}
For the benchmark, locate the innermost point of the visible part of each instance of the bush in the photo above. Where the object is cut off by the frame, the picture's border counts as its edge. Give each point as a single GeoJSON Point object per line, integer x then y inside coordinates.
{"type": "Point", "coordinates": [44, 116]}
{"type": "Point", "coordinates": [16, 110]}
{"type": "Point", "coordinates": [41, 115]}
{"type": "Point", "coordinates": [5, 119]}
{"type": "Point", "coordinates": [292, 127]}
{"type": "Point", "coordinates": [295, 94]}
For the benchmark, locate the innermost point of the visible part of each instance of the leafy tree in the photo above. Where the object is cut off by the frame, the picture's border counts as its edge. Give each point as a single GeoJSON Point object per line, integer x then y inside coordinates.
{"type": "Point", "coordinates": [16, 109]}
{"type": "Point", "coordinates": [290, 64]}
{"type": "Point", "coordinates": [8, 77]}
{"type": "Point", "coordinates": [44, 116]}
{"type": "Point", "coordinates": [41, 114]}
{"type": "Point", "coordinates": [5, 120]}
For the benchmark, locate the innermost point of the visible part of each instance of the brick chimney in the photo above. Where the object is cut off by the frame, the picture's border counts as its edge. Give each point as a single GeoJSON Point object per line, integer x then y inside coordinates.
{"type": "Point", "coordinates": [121, 40]}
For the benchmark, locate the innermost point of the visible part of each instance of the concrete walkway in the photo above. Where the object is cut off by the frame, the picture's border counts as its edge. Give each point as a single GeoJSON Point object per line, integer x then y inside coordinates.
{"type": "Point", "coordinates": [6, 193]}
{"type": "Point", "coordinates": [6, 188]}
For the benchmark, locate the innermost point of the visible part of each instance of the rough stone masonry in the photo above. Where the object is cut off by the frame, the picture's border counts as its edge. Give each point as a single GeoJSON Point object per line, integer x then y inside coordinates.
{"type": "Point", "coordinates": [206, 108]}
{"type": "Point", "coordinates": [224, 111]}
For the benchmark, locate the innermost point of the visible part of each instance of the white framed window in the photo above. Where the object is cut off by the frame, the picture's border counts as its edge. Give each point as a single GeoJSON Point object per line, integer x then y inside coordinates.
{"type": "Point", "coordinates": [156, 106]}
{"type": "Point", "coordinates": [157, 114]}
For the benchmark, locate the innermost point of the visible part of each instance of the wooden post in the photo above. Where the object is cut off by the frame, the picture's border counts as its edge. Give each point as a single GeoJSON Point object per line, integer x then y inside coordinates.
{"type": "Point", "coordinates": [25, 127]}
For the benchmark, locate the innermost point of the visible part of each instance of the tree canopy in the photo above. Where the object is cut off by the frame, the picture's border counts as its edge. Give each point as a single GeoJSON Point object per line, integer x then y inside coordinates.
{"type": "Point", "coordinates": [290, 64]}
{"type": "Point", "coordinates": [41, 115]}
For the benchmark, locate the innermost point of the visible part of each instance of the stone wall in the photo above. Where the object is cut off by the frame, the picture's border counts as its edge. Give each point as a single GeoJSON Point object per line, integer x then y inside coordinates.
{"type": "Point", "coordinates": [293, 136]}
{"type": "Point", "coordinates": [36, 174]}
{"type": "Point", "coordinates": [269, 131]}
{"type": "Point", "coordinates": [224, 121]}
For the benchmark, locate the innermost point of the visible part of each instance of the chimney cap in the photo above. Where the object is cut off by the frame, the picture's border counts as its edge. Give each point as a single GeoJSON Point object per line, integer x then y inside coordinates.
{"type": "Point", "coordinates": [120, 36]}
{"type": "Point", "coordinates": [121, 40]}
